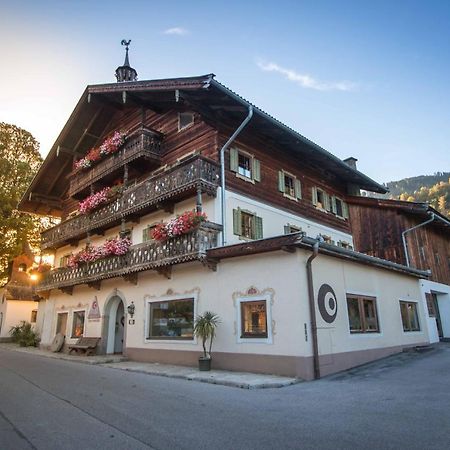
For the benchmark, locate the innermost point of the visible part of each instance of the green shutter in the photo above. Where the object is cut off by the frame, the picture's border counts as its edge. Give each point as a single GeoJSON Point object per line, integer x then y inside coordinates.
{"type": "Point", "coordinates": [256, 169]}
{"type": "Point", "coordinates": [281, 181]}
{"type": "Point", "coordinates": [146, 234]}
{"type": "Point", "coordinates": [314, 195]}
{"type": "Point", "coordinates": [345, 210]}
{"type": "Point", "coordinates": [234, 159]}
{"type": "Point", "coordinates": [333, 205]}
{"type": "Point", "coordinates": [326, 200]}
{"type": "Point", "coordinates": [298, 189]}
{"type": "Point", "coordinates": [237, 222]}
{"type": "Point", "coordinates": [258, 227]}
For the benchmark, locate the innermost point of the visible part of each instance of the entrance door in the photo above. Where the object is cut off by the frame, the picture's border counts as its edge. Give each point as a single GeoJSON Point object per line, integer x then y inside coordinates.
{"type": "Point", "coordinates": [120, 325]}
{"type": "Point", "coordinates": [61, 324]}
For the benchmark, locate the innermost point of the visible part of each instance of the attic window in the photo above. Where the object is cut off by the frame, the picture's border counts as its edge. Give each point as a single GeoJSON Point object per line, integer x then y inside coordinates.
{"type": "Point", "coordinates": [185, 120]}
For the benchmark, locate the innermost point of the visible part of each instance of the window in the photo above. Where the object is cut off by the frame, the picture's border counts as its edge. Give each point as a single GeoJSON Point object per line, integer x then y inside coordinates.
{"type": "Point", "coordinates": [362, 314]}
{"type": "Point", "coordinates": [22, 268]}
{"type": "Point", "coordinates": [288, 229]}
{"type": "Point", "coordinates": [339, 207]}
{"type": "Point", "coordinates": [78, 324]}
{"type": "Point", "coordinates": [64, 260]}
{"type": "Point", "coordinates": [320, 199]}
{"type": "Point", "coordinates": [147, 233]}
{"type": "Point", "coordinates": [254, 319]}
{"type": "Point", "coordinates": [245, 165]}
{"type": "Point", "coordinates": [431, 302]}
{"type": "Point", "coordinates": [61, 323]}
{"type": "Point", "coordinates": [172, 319]}
{"type": "Point", "coordinates": [185, 119]}
{"type": "Point", "coordinates": [289, 185]}
{"type": "Point", "coordinates": [33, 316]}
{"type": "Point", "coordinates": [247, 225]}
{"type": "Point", "coordinates": [410, 318]}
{"type": "Point", "coordinates": [345, 244]}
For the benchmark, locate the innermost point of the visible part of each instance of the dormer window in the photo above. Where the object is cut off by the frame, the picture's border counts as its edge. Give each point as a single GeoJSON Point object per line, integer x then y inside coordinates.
{"type": "Point", "coordinates": [185, 119]}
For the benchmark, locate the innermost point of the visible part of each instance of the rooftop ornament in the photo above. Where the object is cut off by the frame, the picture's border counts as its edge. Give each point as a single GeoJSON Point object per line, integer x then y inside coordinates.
{"type": "Point", "coordinates": [126, 72]}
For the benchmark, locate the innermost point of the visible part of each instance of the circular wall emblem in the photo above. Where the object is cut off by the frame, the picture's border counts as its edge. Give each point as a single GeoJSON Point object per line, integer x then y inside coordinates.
{"type": "Point", "coordinates": [327, 303]}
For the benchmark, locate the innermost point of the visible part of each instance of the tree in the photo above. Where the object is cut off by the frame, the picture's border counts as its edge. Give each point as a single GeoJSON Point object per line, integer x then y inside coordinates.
{"type": "Point", "coordinates": [19, 161]}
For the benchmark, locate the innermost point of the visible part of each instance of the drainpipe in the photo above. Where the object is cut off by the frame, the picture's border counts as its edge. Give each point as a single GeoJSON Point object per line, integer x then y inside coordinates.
{"type": "Point", "coordinates": [405, 246]}
{"type": "Point", "coordinates": [312, 308]}
{"type": "Point", "coordinates": [222, 169]}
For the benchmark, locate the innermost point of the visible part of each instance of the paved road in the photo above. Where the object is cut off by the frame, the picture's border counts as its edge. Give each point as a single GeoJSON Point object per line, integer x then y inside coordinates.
{"type": "Point", "coordinates": [400, 403]}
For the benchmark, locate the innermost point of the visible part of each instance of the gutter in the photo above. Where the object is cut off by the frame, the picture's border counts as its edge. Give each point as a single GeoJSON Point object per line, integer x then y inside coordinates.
{"type": "Point", "coordinates": [312, 309]}
{"type": "Point", "coordinates": [222, 170]}
{"type": "Point", "coordinates": [405, 246]}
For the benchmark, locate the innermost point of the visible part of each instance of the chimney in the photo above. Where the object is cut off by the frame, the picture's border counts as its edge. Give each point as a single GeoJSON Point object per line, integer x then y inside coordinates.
{"type": "Point", "coordinates": [351, 162]}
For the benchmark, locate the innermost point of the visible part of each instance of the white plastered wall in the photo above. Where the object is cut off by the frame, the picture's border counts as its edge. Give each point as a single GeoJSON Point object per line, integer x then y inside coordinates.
{"type": "Point", "coordinates": [14, 312]}
{"type": "Point", "coordinates": [442, 292]}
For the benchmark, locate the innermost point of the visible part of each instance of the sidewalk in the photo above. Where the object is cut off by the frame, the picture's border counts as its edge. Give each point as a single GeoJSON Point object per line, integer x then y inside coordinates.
{"type": "Point", "coordinates": [243, 380]}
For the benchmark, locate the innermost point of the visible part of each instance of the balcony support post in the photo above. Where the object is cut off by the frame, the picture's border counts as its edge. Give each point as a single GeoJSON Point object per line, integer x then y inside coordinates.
{"type": "Point", "coordinates": [125, 175]}
{"type": "Point", "coordinates": [199, 207]}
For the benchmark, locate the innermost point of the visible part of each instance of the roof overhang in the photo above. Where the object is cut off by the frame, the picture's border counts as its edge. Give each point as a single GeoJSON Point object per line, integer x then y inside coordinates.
{"type": "Point", "coordinates": [215, 102]}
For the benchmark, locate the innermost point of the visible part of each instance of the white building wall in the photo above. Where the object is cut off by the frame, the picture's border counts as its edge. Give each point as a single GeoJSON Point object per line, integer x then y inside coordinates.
{"type": "Point", "coordinates": [14, 312]}
{"type": "Point", "coordinates": [442, 292]}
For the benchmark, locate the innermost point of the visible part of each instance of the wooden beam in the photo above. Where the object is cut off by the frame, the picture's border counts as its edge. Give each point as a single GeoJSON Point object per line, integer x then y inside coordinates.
{"type": "Point", "coordinates": [131, 278]}
{"type": "Point", "coordinates": [95, 285]}
{"type": "Point", "coordinates": [86, 131]}
{"type": "Point", "coordinates": [56, 177]}
{"type": "Point", "coordinates": [67, 290]}
{"type": "Point", "coordinates": [165, 271]}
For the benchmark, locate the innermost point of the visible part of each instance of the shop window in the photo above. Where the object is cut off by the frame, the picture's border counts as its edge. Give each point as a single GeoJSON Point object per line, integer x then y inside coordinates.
{"type": "Point", "coordinates": [78, 324]}
{"type": "Point", "coordinates": [362, 314]}
{"type": "Point", "coordinates": [171, 319]}
{"type": "Point", "coordinates": [410, 319]}
{"type": "Point", "coordinates": [245, 165]}
{"type": "Point", "coordinates": [289, 185]}
{"type": "Point", "coordinates": [247, 225]}
{"type": "Point", "coordinates": [254, 319]}
{"type": "Point", "coordinates": [33, 316]}
{"type": "Point", "coordinates": [185, 119]}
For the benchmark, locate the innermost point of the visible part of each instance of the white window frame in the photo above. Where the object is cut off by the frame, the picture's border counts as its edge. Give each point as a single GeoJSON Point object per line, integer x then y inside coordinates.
{"type": "Point", "coordinates": [257, 298]}
{"type": "Point", "coordinates": [189, 124]}
{"type": "Point", "coordinates": [71, 323]}
{"type": "Point", "coordinates": [167, 298]}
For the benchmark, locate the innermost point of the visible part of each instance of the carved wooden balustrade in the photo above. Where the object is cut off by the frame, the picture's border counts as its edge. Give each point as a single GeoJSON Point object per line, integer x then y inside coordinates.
{"type": "Point", "coordinates": [177, 182]}
{"type": "Point", "coordinates": [142, 144]}
{"type": "Point", "coordinates": [149, 255]}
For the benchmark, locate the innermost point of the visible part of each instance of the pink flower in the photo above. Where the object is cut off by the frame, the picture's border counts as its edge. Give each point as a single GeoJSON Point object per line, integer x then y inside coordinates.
{"type": "Point", "coordinates": [180, 225]}
{"type": "Point", "coordinates": [94, 200]}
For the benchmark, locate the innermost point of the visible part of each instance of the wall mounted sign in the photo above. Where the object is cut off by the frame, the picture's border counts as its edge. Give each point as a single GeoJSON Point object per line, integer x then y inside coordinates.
{"type": "Point", "coordinates": [327, 302]}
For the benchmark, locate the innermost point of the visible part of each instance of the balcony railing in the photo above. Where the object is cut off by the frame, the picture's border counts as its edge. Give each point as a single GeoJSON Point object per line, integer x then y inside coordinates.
{"type": "Point", "coordinates": [142, 144]}
{"type": "Point", "coordinates": [149, 255]}
{"type": "Point", "coordinates": [175, 183]}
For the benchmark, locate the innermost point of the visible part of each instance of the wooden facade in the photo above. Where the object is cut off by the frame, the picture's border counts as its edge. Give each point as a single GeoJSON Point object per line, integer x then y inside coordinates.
{"type": "Point", "coordinates": [377, 227]}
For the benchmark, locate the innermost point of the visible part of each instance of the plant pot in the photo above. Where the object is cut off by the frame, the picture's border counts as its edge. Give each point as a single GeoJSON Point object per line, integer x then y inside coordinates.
{"type": "Point", "coordinates": [204, 364]}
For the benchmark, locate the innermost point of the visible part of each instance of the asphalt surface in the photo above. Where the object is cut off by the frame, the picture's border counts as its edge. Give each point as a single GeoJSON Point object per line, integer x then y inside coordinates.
{"type": "Point", "coordinates": [402, 402]}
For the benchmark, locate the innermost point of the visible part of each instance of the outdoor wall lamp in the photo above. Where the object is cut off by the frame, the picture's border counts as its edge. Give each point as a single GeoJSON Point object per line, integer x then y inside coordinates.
{"type": "Point", "coordinates": [130, 309]}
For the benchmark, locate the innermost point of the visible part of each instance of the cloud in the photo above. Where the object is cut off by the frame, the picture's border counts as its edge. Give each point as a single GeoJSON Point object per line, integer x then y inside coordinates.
{"type": "Point", "coordinates": [307, 81]}
{"type": "Point", "coordinates": [177, 31]}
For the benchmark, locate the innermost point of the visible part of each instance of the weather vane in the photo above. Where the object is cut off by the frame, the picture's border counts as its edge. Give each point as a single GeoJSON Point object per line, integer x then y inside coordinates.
{"type": "Point", "coordinates": [126, 43]}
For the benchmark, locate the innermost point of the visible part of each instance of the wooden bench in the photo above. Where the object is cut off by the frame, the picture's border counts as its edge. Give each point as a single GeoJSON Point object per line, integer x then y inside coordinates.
{"type": "Point", "coordinates": [86, 345]}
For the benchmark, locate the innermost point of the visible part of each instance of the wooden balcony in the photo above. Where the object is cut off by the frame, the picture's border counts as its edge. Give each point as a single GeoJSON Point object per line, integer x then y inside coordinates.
{"type": "Point", "coordinates": [149, 255]}
{"type": "Point", "coordinates": [142, 147]}
{"type": "Point", "coordinates": [178, 182]}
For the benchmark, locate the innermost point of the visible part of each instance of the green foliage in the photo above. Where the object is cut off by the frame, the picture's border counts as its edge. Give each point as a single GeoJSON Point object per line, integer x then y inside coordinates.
{"type": "Point", "coordinates": [24, 335]}
{"type": "Point", "coordinates": [19, 161]}
{"type": "Point", "coordinates": [205, 329]}
{"type": "Point", "coordinates": [413, 184]}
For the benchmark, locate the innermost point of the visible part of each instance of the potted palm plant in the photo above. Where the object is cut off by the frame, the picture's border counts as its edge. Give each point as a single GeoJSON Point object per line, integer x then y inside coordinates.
{"type": "Point", "coordinates": [205, 329]}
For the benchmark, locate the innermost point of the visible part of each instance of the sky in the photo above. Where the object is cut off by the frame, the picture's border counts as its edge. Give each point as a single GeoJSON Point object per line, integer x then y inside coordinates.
{"type": "Point", "coordinates": [360, 78]}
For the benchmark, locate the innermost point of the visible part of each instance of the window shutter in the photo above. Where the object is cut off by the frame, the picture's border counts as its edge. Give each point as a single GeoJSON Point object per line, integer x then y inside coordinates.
{"type": "Point", "coordinates": [314, 195]}
{"type": "Point", "coordinates": [287, 229]}
{"type": "Point", "coordinates": [234, 158]}
{"type": "Point", "coordinates": [345, 210]}
{"type": "Point", "coordinates": [281, 181]}
{"type": "Point", "coordinates": [298, 189]}
{"type": "Point", "coordinates": [258, 225]}
{"type": "Point", "coordinates": [237, 222]}
{"type": "Point", "coordinates": [326, 199]}
{"type": "Point", "coordinates": [333, 204]}
{"type": "Point", "coordinates": [256, 170]}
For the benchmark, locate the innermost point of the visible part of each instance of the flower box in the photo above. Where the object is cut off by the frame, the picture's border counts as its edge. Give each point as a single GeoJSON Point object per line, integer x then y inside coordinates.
{"type": "Point", "coordinates": [182, 224]}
